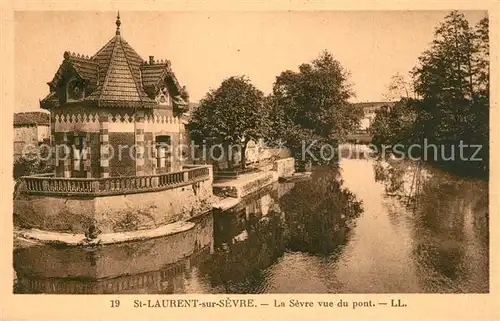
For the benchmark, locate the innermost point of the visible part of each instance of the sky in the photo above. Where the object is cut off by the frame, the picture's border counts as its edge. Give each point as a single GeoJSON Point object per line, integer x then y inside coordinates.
{"type": "Point", "coordinates": [207, 47]}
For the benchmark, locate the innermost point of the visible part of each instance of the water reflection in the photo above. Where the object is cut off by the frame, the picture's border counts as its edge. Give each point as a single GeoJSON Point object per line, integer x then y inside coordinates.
{"type": "Point", "coordinates": [319, 213]}
{"type": "Point", "coordinates": [229, 252]}
{"type": "Point", "coordinates": [238, 264]}
{"type": "Point", "coordinates": [153, 266]}
{"type": "Point", "coordinates": [365, 227]}
{"type": "Point", "coordinates": [312, 217]}
{"type": "Point", "coordinates": [450, 227]}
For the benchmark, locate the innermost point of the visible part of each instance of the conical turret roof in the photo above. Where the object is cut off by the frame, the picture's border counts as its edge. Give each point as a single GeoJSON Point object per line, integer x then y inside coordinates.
{"type": "Point", "coordinates": [116, 76]}
{"type": "Point", "coordinates": [119, 74]}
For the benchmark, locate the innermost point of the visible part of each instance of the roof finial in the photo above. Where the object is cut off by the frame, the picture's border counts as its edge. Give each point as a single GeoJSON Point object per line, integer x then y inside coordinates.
{"type": "Point", "coordinates": [118, 23]}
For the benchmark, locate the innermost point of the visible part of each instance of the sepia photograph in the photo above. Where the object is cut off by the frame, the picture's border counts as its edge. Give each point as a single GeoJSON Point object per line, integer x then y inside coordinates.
{"type": "Point", "coordinates": [251, 152]}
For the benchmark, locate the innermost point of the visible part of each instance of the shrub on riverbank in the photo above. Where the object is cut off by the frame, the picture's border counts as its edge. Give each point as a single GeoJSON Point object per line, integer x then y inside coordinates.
{"type": "Point", "coordinates": [24, 166]}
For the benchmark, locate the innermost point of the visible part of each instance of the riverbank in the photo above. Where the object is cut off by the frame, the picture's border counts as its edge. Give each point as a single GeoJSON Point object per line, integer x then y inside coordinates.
{"type": "Point", "coordinates": [57, 238]}
{"type": "Point", "coordinates": [247, 184]}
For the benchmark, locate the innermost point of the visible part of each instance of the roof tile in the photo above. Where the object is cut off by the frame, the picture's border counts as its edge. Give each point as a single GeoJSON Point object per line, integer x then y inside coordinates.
{"type": "Point", "coordinates": [120, 73]}
{"type": "Point", "coordinates": [31, 118]}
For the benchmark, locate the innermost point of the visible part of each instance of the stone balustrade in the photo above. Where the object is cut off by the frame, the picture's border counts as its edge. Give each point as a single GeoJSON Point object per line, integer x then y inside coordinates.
{"type": "Point", "coordinates": [47, 184]}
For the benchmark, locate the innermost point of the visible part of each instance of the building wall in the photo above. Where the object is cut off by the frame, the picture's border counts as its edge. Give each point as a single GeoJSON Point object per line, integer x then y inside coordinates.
{"type": "Point", "coordinates": [61, 214]}
{"type": "Point", "coordinates": [43, 133]}
{"type": "Point", "coordinates": [22, 136]}
{"type": "Point", "coordinates": [122, 130]}
{"type": "Point", "coordinates": [27, 134]}
{"type": "Point", "coordinates": [149, 210]}
{"type": "Point", "coordinates": [365, 122]}
{"type": "Point", "coordinates": [152, 162]}
{"type": "Point", "coordinates": [185, 141]}
{"type": "Point", "coordinates": [70, 122]}
{"type": "Point", "coordinates": [284, 167]}
{"type": "Point", "coordinates": [122, 163]}
{"type": "Point", "coordinates": [256, 153]}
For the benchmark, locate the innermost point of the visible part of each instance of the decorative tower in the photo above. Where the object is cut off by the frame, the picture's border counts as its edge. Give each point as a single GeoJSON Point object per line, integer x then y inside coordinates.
{"type": "Point", "coordinates": [115, 123]}
{"type": "Point", "coordinates": [114, 114]}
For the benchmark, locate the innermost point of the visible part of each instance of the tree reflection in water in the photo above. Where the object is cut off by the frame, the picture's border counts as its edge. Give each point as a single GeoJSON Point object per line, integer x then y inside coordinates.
{"type": "Point", "coordinates": [237, 264]}
{"type": "Point", "coordinates": [319, 213]}
{"type": "Point", "coordinates": [393, 177]}
{"type": "Point", "coordinates": [450, 226]}
{"type": "Point", "coordinates": [314, 217]}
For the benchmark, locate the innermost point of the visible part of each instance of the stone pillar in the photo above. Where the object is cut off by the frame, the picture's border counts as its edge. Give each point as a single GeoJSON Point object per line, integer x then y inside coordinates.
{"type": "Point", "coordinates": [53, 144]}
{"type": "Point", "coordinates": [210, 173]}
{"type": "Point", "coordinates": [86, 156]}
{"type": "Point", "coordinates": [67, 157]}
{"type": "Point", "coordinates": [154, 161]}
{"type": "Point", "coordinates": [104, 143]}
{"type": "Point", "coordinates": [139, 143]}
{"type": "Point", "coordinates": [76, 153]}
{"type": "Point", "coordinates": [154, 156]}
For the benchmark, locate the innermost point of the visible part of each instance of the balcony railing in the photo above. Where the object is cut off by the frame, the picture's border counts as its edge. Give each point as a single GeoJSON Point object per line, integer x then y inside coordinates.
{"type": "Point", "coordinates": [47, 184]}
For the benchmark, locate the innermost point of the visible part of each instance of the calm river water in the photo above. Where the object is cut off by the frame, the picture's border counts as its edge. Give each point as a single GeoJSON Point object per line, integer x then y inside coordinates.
{"type": "Point", "coordinates": [368, 227]}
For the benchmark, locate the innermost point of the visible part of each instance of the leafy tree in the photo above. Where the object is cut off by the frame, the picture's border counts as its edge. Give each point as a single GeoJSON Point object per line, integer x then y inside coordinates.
{"type": "Point", "coordinates": [481, 62]}
{"type": "Point", "coordinates": [231, 115]}
{"type": "Point", "coordinates": [445, 69]}
{"type": "Point", "coordinates": [311, 106]}
{"type": "Point", "coordinates": [395, 124]}
{"type": "Point", "coordinates": [399, 87]}
{"type": "Point", "coordinates": [451, 103]}
{"type": "Point", "coordinates": [453, 81]}
{"type": "Point", "coordinates": [481, 105]}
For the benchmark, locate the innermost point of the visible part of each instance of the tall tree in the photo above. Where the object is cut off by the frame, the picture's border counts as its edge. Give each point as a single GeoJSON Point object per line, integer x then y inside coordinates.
{"type": "Point", "coordinates": [481, 69]}
{"type": "Point", "coordinates": [231, 115]}
{"type": "Point", "coordinates": [482, 58]}
{"type": "Point", "coordinates": [310, 107]}
{"type": "Point", "coordinates": [444, 79]}
{"type": "Point", "coordinates": [451, 81]}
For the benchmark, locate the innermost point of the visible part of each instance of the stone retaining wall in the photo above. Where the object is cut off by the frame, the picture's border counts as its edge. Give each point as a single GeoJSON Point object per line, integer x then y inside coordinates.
{"type": "Point", "coordinates": [284, 167]}
{"type": "Point", "coordinates": [116, 213]}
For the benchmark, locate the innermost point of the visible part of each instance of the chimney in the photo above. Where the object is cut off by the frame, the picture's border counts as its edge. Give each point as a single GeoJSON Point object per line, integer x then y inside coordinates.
{"type": "Point", "coordinates": [151, 60]}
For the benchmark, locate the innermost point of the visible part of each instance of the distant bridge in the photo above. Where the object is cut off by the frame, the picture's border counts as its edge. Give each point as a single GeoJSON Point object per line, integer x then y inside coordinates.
{"type": "Point", "coordinates": [362, 136]}
{"type": "Point", "coordinates": [359, 137]}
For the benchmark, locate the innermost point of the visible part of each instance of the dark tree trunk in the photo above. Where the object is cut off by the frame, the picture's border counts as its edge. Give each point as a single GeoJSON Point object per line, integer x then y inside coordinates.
{"type": "Point", "coordinates": [243, 155]}
{"type": "Point", "coordinates": [229, 156]}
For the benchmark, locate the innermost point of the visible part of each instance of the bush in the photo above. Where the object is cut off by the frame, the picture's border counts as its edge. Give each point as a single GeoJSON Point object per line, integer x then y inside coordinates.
{"type": "Point", "coordinates": [30, 165]}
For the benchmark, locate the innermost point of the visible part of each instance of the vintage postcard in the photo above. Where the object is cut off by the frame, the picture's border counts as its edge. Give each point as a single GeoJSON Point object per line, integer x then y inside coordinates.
{"type": "Point", "coordinates": [249, 161]}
